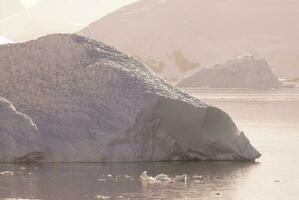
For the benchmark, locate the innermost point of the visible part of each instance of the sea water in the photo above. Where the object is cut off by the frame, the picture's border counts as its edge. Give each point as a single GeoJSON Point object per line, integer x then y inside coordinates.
{"type": "Point", "coordinates": [269, 118]}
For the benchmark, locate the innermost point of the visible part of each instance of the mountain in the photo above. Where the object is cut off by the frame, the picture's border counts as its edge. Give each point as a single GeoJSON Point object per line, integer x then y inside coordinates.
{"type": "Point", "coordinates": [10, 7]}
{"type": "Point", "coordinates": [92, 103]}
{"type": "Point", "coordinates": [55, 16]}
{"type": "Point", "coordinates": [242, 72]}
{"type": "Point", "coordinates": [200, 32]}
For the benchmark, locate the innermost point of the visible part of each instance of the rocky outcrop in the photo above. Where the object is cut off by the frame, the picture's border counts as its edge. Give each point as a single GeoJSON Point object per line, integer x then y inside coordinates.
{"type": "Point", "coordinates": [18, 135]}
{"type": "Point", "coordinates": [92, 103]}
{"type": "Point", "coordinates": [242, 72]}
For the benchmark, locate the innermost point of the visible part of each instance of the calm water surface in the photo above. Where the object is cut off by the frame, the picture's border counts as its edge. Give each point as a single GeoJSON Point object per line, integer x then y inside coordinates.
{"type": "Point", "coordinates": [269, 118]}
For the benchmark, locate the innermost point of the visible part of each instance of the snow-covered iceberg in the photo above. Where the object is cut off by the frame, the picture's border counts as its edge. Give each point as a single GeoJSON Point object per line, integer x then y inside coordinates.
{"type": "Point", "coordinates": [93, 103]}
{"type": "Point", "coordinates": [242, 72]}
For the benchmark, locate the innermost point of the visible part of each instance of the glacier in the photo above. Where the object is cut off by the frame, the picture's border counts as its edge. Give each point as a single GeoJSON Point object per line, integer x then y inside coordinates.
{"type": "Point", "coordinates": [88, 102]}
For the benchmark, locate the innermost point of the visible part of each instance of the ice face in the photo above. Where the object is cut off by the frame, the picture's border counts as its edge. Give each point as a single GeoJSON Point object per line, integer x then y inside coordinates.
{"type": "Point", "coordinates": [19, 135]}
{"type": "Point", "coordinates": [92, 103]}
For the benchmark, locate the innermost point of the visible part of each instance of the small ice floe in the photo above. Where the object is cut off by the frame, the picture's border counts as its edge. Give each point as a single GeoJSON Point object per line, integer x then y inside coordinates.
{"type": "Point", "coordinates": [180, 178]}
{"type": "Point", "coordinates": [22, 168]}
{"type": "Point", "coordinates": [109, 175]}
{"type": "Point", "coordinates": [162, 178]}
{"type": "Point", "coordinates": [7, 173]}
{"type": "Point", "coordinates": [196, 176]}
{"type": "Point", "coordinates": [19, 199]}
{"type": "Point", "coordinates": [127, 176]}
{"type": "Point", "coordinates": [102, 197]}
{"type": "Point", "coordinates": [147, 179]}
{"type": "Point", "coordinates": [102, 179]}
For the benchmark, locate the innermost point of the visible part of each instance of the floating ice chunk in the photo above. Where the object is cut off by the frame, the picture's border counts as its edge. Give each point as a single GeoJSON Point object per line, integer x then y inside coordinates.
{"type": "Point", "coordinates": [147, 179]}
{"type": "Point", "coordinates": [196, 176]}
{"type": "Point", "coordinates": [180, 178]}
{"type": "Point", "coordinates": [102, 197]}
{"type": "Point", "coordinates": [127, 176]}
{"type": "Point", "coordinates": [7, 173]}
{"type": "Point", "coordinates": [162, 178]}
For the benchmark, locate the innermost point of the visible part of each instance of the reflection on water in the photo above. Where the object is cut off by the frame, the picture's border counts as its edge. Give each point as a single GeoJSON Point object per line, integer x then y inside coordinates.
{"type": "Point", "coordinates": [270, 119]}
{"type": "Point", "coordinates": [207, 180]}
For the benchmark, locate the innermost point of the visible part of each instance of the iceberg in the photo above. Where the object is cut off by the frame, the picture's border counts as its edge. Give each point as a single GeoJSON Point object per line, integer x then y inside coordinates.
{"type": "Point", "coordinates": [19, 135]}
{"type": "Point", "coordinates": [92, 103]}
{"type": "Point", "coordinates": [245, 71]}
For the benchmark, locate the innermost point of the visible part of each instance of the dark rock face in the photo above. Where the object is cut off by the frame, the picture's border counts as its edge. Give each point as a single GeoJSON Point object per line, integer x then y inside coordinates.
{"type": "Point", "coordinates": [92, 103]}
{"type": "Point", "coordinates": [243, 72]}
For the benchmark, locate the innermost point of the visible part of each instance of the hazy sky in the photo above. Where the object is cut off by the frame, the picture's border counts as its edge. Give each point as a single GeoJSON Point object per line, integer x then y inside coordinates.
{"type": "Point", "coordinates": [29, 3]}
{"type": "Point", "coordinates": [42, 17]}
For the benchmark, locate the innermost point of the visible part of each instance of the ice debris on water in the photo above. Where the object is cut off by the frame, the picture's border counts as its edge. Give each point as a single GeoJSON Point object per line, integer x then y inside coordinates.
{"type": "Point", "coordinates": [196, 176]}
{"type": "Point", "coordinates": [162, 178]}
{"type": "Point", "coordinates": [102, 197]}
{"type": "Point", "coordinates": [7, 173]}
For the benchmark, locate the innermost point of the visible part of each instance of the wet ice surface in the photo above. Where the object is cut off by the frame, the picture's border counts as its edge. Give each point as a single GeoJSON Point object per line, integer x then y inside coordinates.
{"type": "Point", "coordinates": [270, 119]}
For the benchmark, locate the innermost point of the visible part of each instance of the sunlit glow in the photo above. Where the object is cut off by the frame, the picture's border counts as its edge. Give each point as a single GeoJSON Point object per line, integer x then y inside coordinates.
{"type": "Point", "coordinates": [29, 3]}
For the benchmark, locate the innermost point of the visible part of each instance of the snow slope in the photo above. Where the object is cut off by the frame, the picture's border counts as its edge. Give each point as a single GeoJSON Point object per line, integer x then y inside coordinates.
{"type": "Point", "coordinates": [91, 103]}
{"type": "Point", "coordinates": [242, 72]}
{"type": "Point", "coordinates": [204, 32]}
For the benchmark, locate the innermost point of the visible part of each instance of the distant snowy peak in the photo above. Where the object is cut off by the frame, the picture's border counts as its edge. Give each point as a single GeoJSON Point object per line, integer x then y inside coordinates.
{"type": "Point", "coordinates": [203, 32]}
{"type": "Point", "coordinates": [242, 72]}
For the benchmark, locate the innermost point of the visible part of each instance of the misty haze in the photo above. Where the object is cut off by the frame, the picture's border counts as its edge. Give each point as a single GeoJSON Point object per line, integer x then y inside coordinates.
{"type": "Point", "coordinates": [149, 99]}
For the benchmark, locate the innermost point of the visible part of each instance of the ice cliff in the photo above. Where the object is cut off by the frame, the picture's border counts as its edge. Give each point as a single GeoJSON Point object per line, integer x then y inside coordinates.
{"type": "Point", "coordinates": [93, 103]}
{"type": "Point", "coordinates": [242, 72]}
{"type": "Point", "coordinates": [18, 134]}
